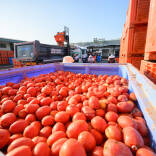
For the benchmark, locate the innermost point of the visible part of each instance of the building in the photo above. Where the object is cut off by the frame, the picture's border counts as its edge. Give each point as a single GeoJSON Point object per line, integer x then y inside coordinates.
{"type": "Point", "coordinates": [102, 46]}
{"type": "Point", "coordinates": [7, 50]}
{"type": "Point", "coordinates": [8, 44]}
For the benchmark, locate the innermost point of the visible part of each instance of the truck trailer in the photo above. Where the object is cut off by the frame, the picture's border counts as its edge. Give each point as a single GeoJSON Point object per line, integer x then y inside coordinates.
{"type": "Point", "coordinates": [37, 52]}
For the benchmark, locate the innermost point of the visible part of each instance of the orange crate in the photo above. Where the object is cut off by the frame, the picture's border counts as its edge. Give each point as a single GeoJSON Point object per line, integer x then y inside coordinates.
{"type": "Point", "coordinates": [138, 11]}
{"type": "Point", "coordinates": [134, 41]}
{"type": "Point", "coordinates": [149, 69]}
{"type": "Point", "coordinates": [150, 50]}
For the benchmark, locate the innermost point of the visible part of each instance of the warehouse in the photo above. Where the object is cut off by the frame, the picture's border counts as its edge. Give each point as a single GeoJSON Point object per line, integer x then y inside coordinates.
{"type": "Point", "coordinates": [7, 50]}
{"type": "Point", "coordinates": [105, 47]}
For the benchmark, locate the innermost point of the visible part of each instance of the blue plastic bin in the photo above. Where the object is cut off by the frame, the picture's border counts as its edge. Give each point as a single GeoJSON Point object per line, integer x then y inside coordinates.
{"type": "Point", "coordinates": [144, 89]}
{"type": "Point", "coordinates": [10, 60]}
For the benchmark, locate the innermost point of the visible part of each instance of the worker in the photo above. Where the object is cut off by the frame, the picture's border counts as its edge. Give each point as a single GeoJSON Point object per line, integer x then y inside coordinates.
{"type": "Point", "coordinates": [76, 58]}
{"type": "Point", "coordinates": [94, 56]}
{"type": "Point", "coordinates": [90, 59]}
{"type": "Point", "coordinates": [98, 58]}
{"type": "Point", "coordinates": [111, 59]}
{"type": "Point", "coordinates": [84, 57]}
{"type": "Point", "coordinates": [68, 59]}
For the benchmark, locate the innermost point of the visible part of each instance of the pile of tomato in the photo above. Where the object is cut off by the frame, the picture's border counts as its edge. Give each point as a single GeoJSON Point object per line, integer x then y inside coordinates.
{"type": "Point", "coordinates": [68, 114]}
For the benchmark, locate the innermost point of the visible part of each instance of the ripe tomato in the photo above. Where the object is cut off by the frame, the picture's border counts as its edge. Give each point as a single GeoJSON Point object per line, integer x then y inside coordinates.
{"type": "Point", "coordinates": [55, 136]}
{"type": "Point", "coordinates": [111, 116]}
{"type": "Point", "coordinates": [46, 131]}
{"type": "Point", "coordinates": [72, 147]}
{"type": "Point", "coordinates": [99, 123]}
{"type": "Point", "coordinates": [62, 117]}
{"type": "Point", "coordinates": [115, 148]}
{"type": "Point", "coordinates": [7, 119]}
{"type": "Point", "coordinates": [76, 127]}
{"type": "Point", "coordinates": [87, 140]}
{"type": "Point", "coordinates": [58, 127]}
{"type": "Point", "coordinates": [55, 148]}
{"type": "Point", "coordinates": [113, 132]}
{"type": "Point", "coordinates": [4, 137]}
{"type": "Point", "coordinates": [22, 150]}
{"type": "Point", "coordinates": [41, 149]}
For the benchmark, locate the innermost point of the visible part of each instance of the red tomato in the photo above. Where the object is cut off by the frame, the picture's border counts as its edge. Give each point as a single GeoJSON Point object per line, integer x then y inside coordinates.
{"type": "Point", "coordinates": [8, 106]}
{"type": "Point", "coordinates": [125, 107]}
{"type": "Point", "coordinates": [41, 149]}
{"type": "Point", "coordinates": [55, 148]}
{"type": "Point", "coordinates": [72, 109]}
{"type": "Point", "coordinates": [4, 137]}
{"type": "Point", "coordinates": [55, 136]}
{"type": "Point", "coordinates": [31, 131]}
{"type": "Point", "coordinates": [98, 136]}
{"type": "Point", "coordinates": [132, 96]}
{"type": "Point", "coordinates": [30, 118]}
{"type": "Point", "coordinates": [18, 126]}
{"type": "Point", "coordinates": [22, 150]}
{"type": "Point", "coordinates": [99, 123]}
{"type": "Point", "coordinates": [112, 108]}
{"type": "Point", "coordinates": [113, 132]}
{"type": "Point", "coordinates": [31, 91]}
{"type": "Point", "coordinates": [79, 116]}
{"type": "Point", "coordinates": [14, 137]}
{"type": "Point", "coordinates": [62, 117]}
{"type": "Point", "coordinates": [46, 131]}
{"type": "Point", "coordinates": [7, 119]}
{"type": "Point", "coordinates": [48, 120]}
{"type": "Point", "coordinates": [20, 142]}
{"type": "Point", "coordinates": [145, 152]}
{"type": "Point", "coordinates": [132, 137]}
{"type": "Point", "coordinates": [87, 140]}
{"type": "Point", "coordinates": [43, 111]}
{"type": "Point", "coordinates": [58, 127]}
{"type": "Point", "coordinates": [76, 127]}
{"type": "Point", "coordinates": [126, 121]}
{"type": "Point", "coordinates": [61, 106]}
{"type": "Point", "coordinates": [38, 139]}
{"type": "Point", "coordinates": [89, 112]}
{"type": "Point", "coordinates": [111, 116]}
{"type": "Point", "coordinates": [94, 102]}
{"type": "Point", "coordinates": [46, 101]}
{"type": "Point", "coordinates": [72, 148]}
{"type": "Point", "coordinates": [116, 148]}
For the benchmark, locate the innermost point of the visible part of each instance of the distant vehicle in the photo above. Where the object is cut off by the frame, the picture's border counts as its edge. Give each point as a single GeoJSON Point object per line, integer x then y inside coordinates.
{"type": "Point", "coordinates": [39, 53]}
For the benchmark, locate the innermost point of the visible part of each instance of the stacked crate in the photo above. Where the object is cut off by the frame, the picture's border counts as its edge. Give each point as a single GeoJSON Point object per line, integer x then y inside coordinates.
{"type": "Point", "coordinates": [134, 34]}
{"type": "Point", "coordinates": [4, 57]}
{"type": "Point", "coordinates": [148, 66]}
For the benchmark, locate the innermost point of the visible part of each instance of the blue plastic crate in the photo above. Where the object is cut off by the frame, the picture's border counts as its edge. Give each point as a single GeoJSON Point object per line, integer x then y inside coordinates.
{"type": "Point", "coordinates": [144, 89]}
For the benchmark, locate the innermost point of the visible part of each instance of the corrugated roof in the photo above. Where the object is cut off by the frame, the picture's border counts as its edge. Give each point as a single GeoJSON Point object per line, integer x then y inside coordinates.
{"type": "Point", "coordinates": [10, 40]}
{"type": "Point", "coordinates": [99, 44]}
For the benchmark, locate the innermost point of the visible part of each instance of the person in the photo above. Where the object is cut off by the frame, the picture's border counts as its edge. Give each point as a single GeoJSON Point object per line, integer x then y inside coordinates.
{"type": "Point", "coordinates": [111, 59]}
{"type": "Point", "coordinates": [76, 58]}
{"type": "Point", "coordinates": [94, 56]}
{"type": "Point", "coordinates": [91, 59]}
{"type": "Point", "coordinates": [98, 58]}
{"type": "Point", "coordinates": [68, 59]}
{"type": "Point", "coordinates": [84, 57]}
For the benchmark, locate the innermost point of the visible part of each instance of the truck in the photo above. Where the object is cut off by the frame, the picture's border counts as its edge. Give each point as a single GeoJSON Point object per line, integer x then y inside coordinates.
{"type": "Point", "coordinates": [38, 53]}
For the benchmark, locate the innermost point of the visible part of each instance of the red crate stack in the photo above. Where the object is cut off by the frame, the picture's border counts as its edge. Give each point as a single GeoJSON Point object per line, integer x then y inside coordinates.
{"type": "Point", "coordinates": [4, 56]}
{"type": "Point", "coordinates": [133, 38]}
{"type": "Point", "coordinates": [150, 50]}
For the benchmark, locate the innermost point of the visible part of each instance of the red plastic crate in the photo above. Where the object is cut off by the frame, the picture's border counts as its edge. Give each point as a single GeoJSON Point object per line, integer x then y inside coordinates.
{"type": "Point", "coordinates": [150, 50]}
{"type": "Point", "coordinates": [149, 69]}
{"type": "Point", "coordinates": [139, 11]}
{"type": "Point", "coordinates": [133, 44]}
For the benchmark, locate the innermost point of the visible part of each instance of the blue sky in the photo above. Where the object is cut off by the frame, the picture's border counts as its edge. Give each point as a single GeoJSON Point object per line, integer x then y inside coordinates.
{"type": "Point", "coordinates": [41, 19]}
